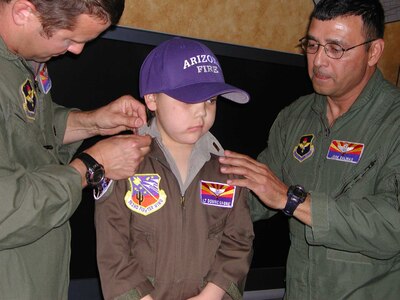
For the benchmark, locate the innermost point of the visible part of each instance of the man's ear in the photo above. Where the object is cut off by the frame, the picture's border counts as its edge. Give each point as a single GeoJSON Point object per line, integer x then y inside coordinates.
{"type": "Point", "coordinates": [375, 51]}
{"type": "Point", "coordinates": [22, 11]}
{"type": "Point", "coordinates": [151, 102]}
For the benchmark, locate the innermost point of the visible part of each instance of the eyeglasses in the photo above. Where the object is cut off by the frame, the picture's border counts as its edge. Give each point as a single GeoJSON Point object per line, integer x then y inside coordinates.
{"type": "Point", "coordinates": [332, 50]}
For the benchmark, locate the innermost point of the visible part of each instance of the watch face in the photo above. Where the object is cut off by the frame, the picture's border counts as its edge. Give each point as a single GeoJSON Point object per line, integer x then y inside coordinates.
{"type": "Point", "coordinates": [96, 175]}
{"type": "Point", "coordinates": [296, 195]}
{"type": "Point", "coordinates": [299, 192]}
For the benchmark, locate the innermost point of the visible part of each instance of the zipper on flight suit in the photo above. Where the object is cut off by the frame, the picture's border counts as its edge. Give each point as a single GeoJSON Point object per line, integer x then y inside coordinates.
{"type": "Point", "coordinates": [356, 179]}
{"type": "Point", "coordinates": [327, 130]}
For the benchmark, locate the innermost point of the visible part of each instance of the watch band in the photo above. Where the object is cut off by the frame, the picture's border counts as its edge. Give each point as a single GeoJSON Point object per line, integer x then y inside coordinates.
{"type": "Point", "coordinates": [295, 195]}
{"type": "Point", "coordinates": [87, 159]}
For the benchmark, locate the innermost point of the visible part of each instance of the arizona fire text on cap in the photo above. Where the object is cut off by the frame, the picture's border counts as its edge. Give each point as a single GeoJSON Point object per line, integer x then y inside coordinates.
{"type": "Point", "coordinates": [188, 71]}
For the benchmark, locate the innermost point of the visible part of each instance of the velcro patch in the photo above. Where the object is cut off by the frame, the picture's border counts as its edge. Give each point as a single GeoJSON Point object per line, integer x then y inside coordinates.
{"type": "Point", "coordinates": [145, 196]}
{"type": "Point", "coordinates": [304, 148]}
{"type": "Point", "coordinates": [345, 151]}
{"type": "Point", "coordinates": [217, 194]}
{"type": "Point", "coordinates": [30, 99]}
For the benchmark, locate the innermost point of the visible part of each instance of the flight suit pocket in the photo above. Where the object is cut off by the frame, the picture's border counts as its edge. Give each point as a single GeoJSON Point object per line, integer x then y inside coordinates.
{"type": "Point", "coordinates": [143, 243]}
{"type": "Point", "coordinates": [350, 257]}
{"type": "Point", "coordinates": [212, 244]}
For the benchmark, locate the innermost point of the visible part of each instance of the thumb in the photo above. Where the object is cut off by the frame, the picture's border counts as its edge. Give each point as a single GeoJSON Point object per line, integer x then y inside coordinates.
{"type": "Point", "coordinates": [138, 122]}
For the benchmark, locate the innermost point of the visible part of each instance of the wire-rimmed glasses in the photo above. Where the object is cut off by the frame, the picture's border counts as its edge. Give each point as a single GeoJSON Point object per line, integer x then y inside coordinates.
{"type": "Point", "coordinates": [332, 50]}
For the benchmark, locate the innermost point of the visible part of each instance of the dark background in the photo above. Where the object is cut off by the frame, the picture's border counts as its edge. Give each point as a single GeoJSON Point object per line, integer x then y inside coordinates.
{"type": "Point", "coordinates": [109, 67]}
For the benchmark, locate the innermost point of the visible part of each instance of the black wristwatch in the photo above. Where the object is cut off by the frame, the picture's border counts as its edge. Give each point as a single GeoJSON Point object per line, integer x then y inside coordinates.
{"type": "Point", "coordinates": [95, 173]}
{"type": "Point", "coordinates": [295, 195]}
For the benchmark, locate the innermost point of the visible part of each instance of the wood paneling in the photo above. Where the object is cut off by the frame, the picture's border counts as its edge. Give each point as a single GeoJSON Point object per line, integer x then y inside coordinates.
{"type": "Point", "coordinates": [267, 24]}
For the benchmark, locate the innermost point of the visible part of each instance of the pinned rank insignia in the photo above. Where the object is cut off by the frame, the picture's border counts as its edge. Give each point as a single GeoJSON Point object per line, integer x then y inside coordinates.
{"type": "Point", "coordinates": [217, 194]}
{"type": "Point", "coordinates": [305, 148]}
{"type": "Point", "coordinates": [30, 99]}
{"type": "Point", "coordinates": [145, 195]}
{"type": "Point", "coordinates": [345, 151]}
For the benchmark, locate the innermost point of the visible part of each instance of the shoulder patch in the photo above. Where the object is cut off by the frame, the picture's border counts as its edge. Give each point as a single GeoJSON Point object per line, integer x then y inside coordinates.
{"type": "Point", "coordinates": [44, 79]}
{"type": "Point", "coordinates": [144, 195]}
{"type": "Point", "coordinates": [100, 190]}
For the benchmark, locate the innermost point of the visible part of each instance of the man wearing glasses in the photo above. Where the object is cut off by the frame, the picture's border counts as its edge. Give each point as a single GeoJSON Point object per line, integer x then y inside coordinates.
{"type": "Point", "coordinates": [333, 163]}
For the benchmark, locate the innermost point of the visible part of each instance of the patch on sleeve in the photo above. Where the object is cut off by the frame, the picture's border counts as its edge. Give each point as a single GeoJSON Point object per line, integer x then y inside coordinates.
{"type": "Point", "coordinates": [44, 79]}
{"type": "Point", "coordinates": [30, 99]}
{"type": "Point", "coordinates": [217, 194]}
{"type": "Point", "coordinates": [100, 190]}
{"type": "Point", "coordinates": [145, 196]}
{"type": "Point", "coordinates": [305, 148]}
{"type": "Point", "coordinates": [345, 151]}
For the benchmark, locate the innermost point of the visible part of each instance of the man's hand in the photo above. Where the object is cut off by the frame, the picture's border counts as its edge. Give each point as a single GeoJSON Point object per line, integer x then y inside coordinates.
{"type": "Point", "coordinates": [125, 113]}
{"type": "Point", "coordinates": [256, 177]}
{"type": "Point", "coordinates": [266, 185]}
{"type": "Point", "coordinates": [120, 155]}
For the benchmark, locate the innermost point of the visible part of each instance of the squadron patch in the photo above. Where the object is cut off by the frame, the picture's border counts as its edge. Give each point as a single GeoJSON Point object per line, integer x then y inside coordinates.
{"type": "Point", "coordinates": [345, 151]}
{"type": "Point", "coordinates": [217, 194]}
{"type": "Point", "coordinates": [145, 196]}
{"type": "Point", "coordinates": [305, 148]}
{"type": "Point", "coordinates": [30, 99]}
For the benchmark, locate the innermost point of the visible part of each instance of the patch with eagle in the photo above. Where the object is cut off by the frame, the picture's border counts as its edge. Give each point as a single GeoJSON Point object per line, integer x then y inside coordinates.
{"type": "Point", "coordinates": [345, 151]}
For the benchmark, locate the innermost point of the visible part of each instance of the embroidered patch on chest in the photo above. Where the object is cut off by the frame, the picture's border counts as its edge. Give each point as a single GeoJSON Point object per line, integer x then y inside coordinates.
{"type": "Point", "coordinates": [345, 151]}
{"type": "Point", "coordinates": [217, 194]}
{"type": "Point", "coordinates": [145, 196]}
{"type": "Point", "coordinates": [305, 148]}
{"type": "Point", "coordinates": [30, 99]}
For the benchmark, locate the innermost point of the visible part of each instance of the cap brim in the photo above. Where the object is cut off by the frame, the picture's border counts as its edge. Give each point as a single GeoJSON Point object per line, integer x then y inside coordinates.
{"type": "Point", "coordinates": [203, 91]}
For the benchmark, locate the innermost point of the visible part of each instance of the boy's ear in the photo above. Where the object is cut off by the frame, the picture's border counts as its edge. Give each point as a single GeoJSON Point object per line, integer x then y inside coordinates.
{"type": "Point", "coordinates": [22, 11]}
{"type": "Point", "coordinates": [151, 102]}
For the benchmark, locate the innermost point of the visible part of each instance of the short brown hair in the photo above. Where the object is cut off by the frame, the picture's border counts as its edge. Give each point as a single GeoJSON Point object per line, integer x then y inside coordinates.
{"type": "Point", "coordinates": [62, 14]}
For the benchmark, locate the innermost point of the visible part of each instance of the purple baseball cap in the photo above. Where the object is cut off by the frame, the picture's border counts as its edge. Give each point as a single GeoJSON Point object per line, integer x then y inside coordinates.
{"type": "Point", "coordinates": [188, 71]}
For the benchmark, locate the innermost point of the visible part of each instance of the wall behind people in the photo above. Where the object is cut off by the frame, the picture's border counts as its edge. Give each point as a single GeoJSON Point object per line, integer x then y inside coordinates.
{"type": "Point", "coordinates": [275, 25]}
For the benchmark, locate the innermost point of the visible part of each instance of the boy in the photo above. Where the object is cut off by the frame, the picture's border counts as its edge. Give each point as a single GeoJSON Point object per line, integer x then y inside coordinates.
{"type": "Point", "coordinates": [174, 230]}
